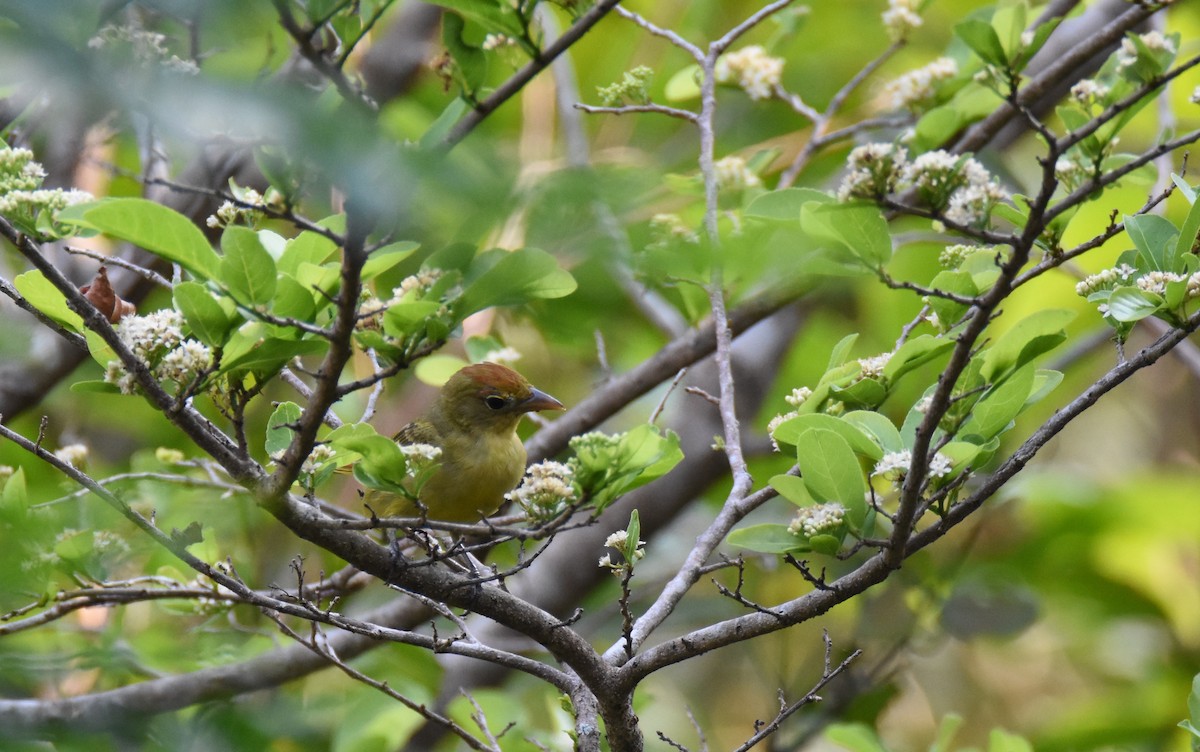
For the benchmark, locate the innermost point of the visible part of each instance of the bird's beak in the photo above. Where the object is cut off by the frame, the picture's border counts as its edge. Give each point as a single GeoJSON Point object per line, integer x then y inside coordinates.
{"type": "Point", "coordinates": [539, 400]}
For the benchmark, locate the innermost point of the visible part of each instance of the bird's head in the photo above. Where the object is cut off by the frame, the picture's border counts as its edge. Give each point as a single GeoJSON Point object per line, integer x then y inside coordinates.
{"type": "Point", "coordinates": [488, 396]}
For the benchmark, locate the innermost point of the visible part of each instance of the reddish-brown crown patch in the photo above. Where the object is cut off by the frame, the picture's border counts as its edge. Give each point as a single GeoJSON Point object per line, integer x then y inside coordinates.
{"type": "Point", "coordinates": [492, 376]}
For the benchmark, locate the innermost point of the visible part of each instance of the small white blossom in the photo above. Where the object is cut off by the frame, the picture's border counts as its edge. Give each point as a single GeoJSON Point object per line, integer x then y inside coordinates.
{"type": "Point", "coordinates": [873, 171]}
{"type": "Point", "coordinates": [753, 69]}
{"type": "Point", "coordinates": [1193, 285]}
{"type": "Point", "coordinates": [1156, 281]}
{"type": "Point", "coordinates": [1154, 41]}
{"type": "Point", "coordinates": [971, 204]}
{"type": "Point", "coordinates": [895, 465]}
{"type": "Point", "coordinates": [1105, 280]}
{"type": "Point", "coordinates": [1089, 91]}
{"type": "Point", "coordinates": [798, 396]}
{"type": "Point", "coordinates": [75, 455]}
{"type": "Point", "coordinates": [502, 355]}
{"type": "Point", "coordinates": [418, 285]}
{"type": "Point", "coordinates": [953, 256]}
{"type": "Point", "coordinates": [546, 490]}
{"type": "Point", "coordinates": [148, 48]}
{"type": "Point", "coordinates": [919, 86]}
{"type": "Point", "coordinates": [1196, 95]}
{"type": "Point", "coordinates": [776, 422]}
{"type": "Point", "coordinates": [321, 453]}
{"type": "Point", "coordinates": [872, 368]}
{"type": "Point", "coordinates": [816, 520]}
{"type": "Point", "coordinates": [495, 41]}
{"type": "Point", "coordinates": [900, 19]}
{"type": "Point", "coordinates": [183, 363]}
{"type": "Point", "coordinates": [620, 541]}
{"type": "Point", "coordinates": [420, 458]}
{"type": "Point", "coordinates": [669, 228]}
{"type": "Point", "coordinates": [733, 174]}
{"type": "Point", "coordinates": [923, 404]}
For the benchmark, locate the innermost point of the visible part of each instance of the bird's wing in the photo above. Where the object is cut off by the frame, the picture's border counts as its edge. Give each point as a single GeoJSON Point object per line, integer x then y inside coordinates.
{"type": "Point", "coordinates": [418, 432]}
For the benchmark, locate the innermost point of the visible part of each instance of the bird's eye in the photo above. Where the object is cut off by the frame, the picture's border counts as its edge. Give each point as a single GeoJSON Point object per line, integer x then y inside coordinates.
{"type": "Point", "coordinates": [495, 402]}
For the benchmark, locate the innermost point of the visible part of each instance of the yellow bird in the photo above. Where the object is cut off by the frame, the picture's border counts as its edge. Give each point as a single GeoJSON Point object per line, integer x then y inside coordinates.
{"type": "Point", "coordinates": [474, 422]}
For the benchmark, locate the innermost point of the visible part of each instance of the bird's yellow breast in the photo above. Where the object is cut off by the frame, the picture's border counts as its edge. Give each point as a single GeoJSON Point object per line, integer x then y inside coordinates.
{"type": "Point", "coordinates": [476, 471]}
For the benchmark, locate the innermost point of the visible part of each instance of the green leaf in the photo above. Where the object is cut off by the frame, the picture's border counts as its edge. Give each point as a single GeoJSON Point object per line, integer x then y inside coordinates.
{"type": "Point", "coordinates": [768, 538]}
{"type": "Point", "coordinates": [279, 432]}
{"type": "Point", "coordinates": [792, 488]}
{"type": "Point", "coordinates": [1155, 238]}
{"type": "Point", "coordinates": [914, 353]}
{"type": "Point", "coordinates": [1188, 191]}
{"type": "Point", "coordinates": [983, 41]}
{"type": "Point", "coordinates": [1133, 303]}
{"type": "Point", "coordinates": [999, 406]}
{"type": "Point", "coordinates": [491, 15]}
{"type": "Point", "coordinates": [790, 431]}
{"type": "Point", "coordinates": [878, 427]}
{"type": "Point", "coordinates": [307, 247]}
{"type": "Point", "coordinates": [292, 299]}
{"type": "Point", "coordinates": [247, 270]}
{"type": "Point", "coordinates": [785, 205]}
{"type": "Point", "coordinates": [1193, 701]}
{"type": "Point", "coordinates": [204, 315]}
{"type": "Point", "coordinates": [859, 228]}
{"type": "Point", "coordinates": [44, 296]}
{"type": "Point", "coordinates": [855, 737]}
{"type": "Point", "coordinates": [684, 86]}
{"type": "Point", "coordinates": [949, 312]}
{"type": "Point", "coordinates": [864, 393]}
{"type": "Point", "coordinates": [1000, 740]}
{"type": "Point", "coordinates": [516, 277]}
{"type": "Point", "coordinates": [831, 471]}
{"type": "Point", "coordinates": [1029, 338]}
{"type": "Point", "coordinates": [440, 128]}
{"type": "Point", "coordinates": [404, 319]}
{"type": "Point", "coordinates": [949, 726]}
{"type": "Point", "coordinates": [152, 226]}
{"type": "Point", "coordinates": [841, 351]}
{"type": "Point", "coordinates": [382, 465]}
{"type": "Point", "coordinates": [95, 386]}
{"type": "Point", "coordinates": [266, 357]}
{"type": "Point", "coordinates": [382, 259]}
{"type": "Point", "coordinates": [1189, 233]}
{"type": "Point", "coordinates": [14, 500]}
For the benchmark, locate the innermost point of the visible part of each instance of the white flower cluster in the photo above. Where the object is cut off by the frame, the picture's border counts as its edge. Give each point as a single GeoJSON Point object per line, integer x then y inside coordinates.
{"type": "Point", "coordinates": [502, 355]}
{"type": "Point", "coordinates": [667, 229]}
{"type": "Point", "coordinates": [776, 422]}
{"type": "Point", "coordinates": [895, 465]}
{"type": "Point", "coordinates": [959, 185]}
{"type": "Point", "coordinates": [874, 170]}
{"type": "Point", "coordinates": [1156, 281]}
{"type": "Point", "coordinates": [919, 86]}
{"type": "Point", "coordinates": [798, 396]}
{"type": "Point", "coordinates": [1105, 280]}
{"type": "Point", "coordinates": [816, 520]}
{"type": "Point", "coordinates": [620, 540]}
{"type": "Point", "coordinates": [420, 458]}
{"type": "Point", "coordinates": [753, 69]}
{"type": "Point", "coordinates": [414, 287]}
{"type": "Point", "coordinates": [320, 454]}
{"type": "Point", "coordinates": [953, 256]}
{"type": "Point", "coordinates": [733, 174]}
{"type": "Point", "coordinates": [230, 213]}
{"type": "Point", "coordinates": [872, 368]}
{"type": "Point", "coordinates": [496, 41]}
{"type": "Point", "coordinates": [901, 18]}
{"type": "Point", "coordinates": [75, 455]}
{"type": "Point", "coordinates": [1154, 41]}
{"type": "Point", "coordinates": [962, 186]}
{"type": "Point", "coordinates": [545, 491]}
{"type": "Point", "coordinates": [1089, 91]}
{"type": "Point", "coordinates": [20, 185]}
{"type": "Point", "coordinates": [1196, 95]}
{"type": "Point", "coordinates": [157, 339]}
{"type": "Point", "coordinates": [147, 47]}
